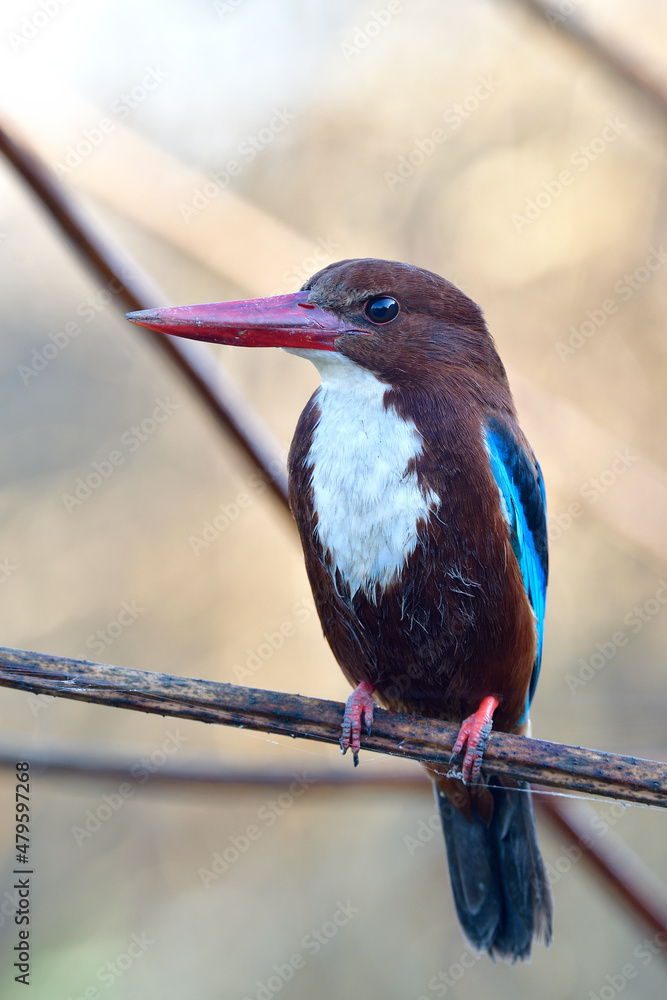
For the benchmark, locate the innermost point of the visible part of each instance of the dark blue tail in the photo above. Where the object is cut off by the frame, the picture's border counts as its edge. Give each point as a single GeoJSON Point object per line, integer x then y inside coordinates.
{"type": "Point", "coordinates": [500, 886]}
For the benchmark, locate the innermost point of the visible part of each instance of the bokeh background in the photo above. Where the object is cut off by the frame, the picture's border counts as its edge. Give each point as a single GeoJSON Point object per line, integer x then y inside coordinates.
{"type": "Point", "coordinates": [233, 148]}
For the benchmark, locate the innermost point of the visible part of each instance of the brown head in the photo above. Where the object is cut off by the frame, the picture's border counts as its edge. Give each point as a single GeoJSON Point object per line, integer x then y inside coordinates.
{"type": "Point", "coordinates": [405, 324]}
{"type": "Point", "coordinates": [409, 327]}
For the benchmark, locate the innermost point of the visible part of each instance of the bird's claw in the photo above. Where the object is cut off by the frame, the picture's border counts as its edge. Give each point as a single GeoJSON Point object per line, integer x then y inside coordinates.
{"type": "Point", "coordinates": [359, 705]}
{"type": "Point", "coordinates": [473, 735]}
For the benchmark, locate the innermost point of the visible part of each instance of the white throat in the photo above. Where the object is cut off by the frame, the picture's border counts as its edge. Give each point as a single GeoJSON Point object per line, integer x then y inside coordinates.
{"type": "Point", "coordinates": [368, 504]}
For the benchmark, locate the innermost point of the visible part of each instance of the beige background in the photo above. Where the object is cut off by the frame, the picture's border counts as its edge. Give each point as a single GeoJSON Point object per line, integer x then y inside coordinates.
{"type": "Point", "coordinates": [365, 97]}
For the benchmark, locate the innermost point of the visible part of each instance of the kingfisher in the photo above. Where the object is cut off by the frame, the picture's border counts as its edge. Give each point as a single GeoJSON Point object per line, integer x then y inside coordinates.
{"type": "Point", "coordinates": [421, 511]}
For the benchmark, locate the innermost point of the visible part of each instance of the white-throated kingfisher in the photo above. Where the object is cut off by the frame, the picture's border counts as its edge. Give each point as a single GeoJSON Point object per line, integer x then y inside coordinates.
{"type": "Point", "coordinates": [421, 511]}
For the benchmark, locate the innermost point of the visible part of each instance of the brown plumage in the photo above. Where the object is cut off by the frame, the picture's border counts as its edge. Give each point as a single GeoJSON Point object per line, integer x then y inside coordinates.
{"type": "Point", "coordinates": [420, 508]}
{"type": "Point", "coordinates": [457, 625]}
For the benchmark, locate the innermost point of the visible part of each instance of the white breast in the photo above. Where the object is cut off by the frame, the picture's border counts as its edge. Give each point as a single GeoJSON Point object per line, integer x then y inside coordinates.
{"type": "Point", "coordinates": [367, 502]}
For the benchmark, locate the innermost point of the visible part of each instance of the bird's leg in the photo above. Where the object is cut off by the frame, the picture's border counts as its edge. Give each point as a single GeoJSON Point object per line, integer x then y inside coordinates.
{"type": "Point", "coordinates": [359, 704]}
{"type": "Point", "coordinates": [473, 734]}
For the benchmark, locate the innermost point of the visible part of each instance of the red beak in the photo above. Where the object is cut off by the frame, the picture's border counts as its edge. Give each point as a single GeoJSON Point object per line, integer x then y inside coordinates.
{"type": "Point", "coordinates": [279, 321]}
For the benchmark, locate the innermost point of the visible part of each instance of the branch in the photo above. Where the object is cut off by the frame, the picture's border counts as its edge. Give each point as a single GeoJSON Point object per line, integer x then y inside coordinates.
{"type": "Point", "coordinates": [622, 64]}
{"type": "Point", "coordinates": [620, 868]}
{"type": "Point", "coordinates": [133, 289]}
{"type": "Point", "coordinates": [603, 850]}
{"type": "Point", "coordinates": [92, 762]}
{"type": "Point", "coordinates": [572, 768]}
{"type": "Point", "coordinates": [233, 415]}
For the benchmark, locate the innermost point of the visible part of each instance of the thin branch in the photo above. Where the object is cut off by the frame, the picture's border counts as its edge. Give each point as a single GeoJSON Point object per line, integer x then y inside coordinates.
{"type": "Point", "coordinates": [600, 849]}
{"type": "Point", "coordinates": [614, 861]}
{"type": "Point", "coordinates": [133, 290]}
{"type": "Point", "coordinates": [573, 768]}
{"type": "Point", "coordinates": [228, 406]}
{"type": "Point", "coordinates": [202, 772]}
{"type": "Point", "coordinates": [621, 64]}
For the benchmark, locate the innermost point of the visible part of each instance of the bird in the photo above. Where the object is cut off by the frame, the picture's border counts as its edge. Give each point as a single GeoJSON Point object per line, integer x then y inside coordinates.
{"type": "Point", "coordinates": [422, 516]}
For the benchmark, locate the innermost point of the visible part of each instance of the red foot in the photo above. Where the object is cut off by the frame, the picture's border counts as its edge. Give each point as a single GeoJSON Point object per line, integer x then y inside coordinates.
{"type": "Point", "coordinates": [474, 732]}
{"type": "Point", "coordinates": [357, 705]}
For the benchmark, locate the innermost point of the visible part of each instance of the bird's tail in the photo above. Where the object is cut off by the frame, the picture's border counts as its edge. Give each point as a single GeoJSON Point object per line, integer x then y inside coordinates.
{"type": "Point", "coordinates": [500, 886]}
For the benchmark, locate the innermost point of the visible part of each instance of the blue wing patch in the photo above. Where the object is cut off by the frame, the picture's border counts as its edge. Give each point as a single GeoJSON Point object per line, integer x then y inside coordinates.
{"type": "Point", "coordinates": [524, 506]}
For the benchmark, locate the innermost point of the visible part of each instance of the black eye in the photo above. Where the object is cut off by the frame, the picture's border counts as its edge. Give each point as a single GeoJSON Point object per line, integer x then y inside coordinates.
{"type": "Point", "coordinates": [381, 309]}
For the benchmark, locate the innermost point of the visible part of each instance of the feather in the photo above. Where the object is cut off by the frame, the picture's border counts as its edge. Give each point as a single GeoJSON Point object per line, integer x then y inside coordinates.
{"type": "Point", "coordinates": [521, 487]}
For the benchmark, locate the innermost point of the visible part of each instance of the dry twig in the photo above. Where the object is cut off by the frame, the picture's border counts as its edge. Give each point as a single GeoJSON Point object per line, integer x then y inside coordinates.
{"type": "Point", "coordinates": [572, 768]}
{"type": "Point", "coordinates": [622, 64]}
{"type": "Point", "coordinates": [234, 415]}
{"type": "Point", "coordinates": [134, 290]}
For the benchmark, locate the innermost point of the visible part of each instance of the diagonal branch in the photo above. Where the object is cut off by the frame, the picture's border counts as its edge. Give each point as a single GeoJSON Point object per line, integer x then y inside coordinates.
{"type": "Point", "coordinates": [622, 64]}
{"type": "Point", "coordinates": [232, 412]}
{"type": "Point", "coordinates": [134, 290]}
{"type": "Point", "coordinates": [573, 768]}
{"type": "Point", "coordinates": [606, 854]}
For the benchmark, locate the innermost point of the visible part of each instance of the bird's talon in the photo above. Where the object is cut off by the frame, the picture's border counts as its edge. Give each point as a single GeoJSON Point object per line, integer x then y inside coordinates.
{"type": "Point", "coordinates": [473, 735]}
{"type": "Point", "coordinates": [359, 705]}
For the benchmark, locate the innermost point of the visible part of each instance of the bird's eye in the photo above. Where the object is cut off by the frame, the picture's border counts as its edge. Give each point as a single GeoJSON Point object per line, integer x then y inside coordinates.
{"type": "Point", "coordinates": [381, 309]}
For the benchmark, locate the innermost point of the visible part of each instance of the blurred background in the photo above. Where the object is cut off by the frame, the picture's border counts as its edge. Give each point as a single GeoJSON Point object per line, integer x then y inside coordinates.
{"type": "Point", "coordinates": [233, 148]}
